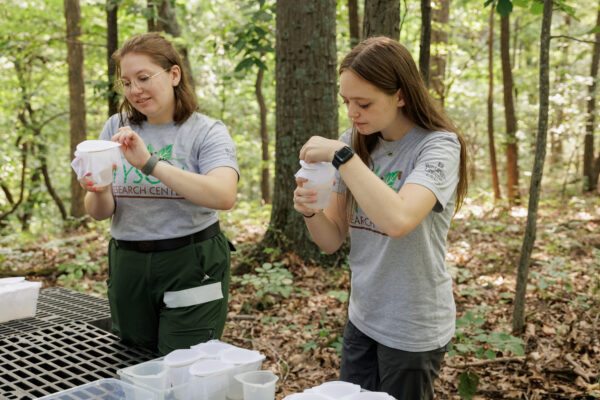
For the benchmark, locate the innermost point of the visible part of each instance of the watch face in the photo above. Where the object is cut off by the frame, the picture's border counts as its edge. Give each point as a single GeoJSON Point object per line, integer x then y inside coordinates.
{"type": "Point", "coordinates": [344, 153]}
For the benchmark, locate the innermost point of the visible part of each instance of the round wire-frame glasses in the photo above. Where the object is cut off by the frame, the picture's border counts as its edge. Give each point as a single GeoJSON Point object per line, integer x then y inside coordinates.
{"type": "Point", "coordinates": [142, 82]}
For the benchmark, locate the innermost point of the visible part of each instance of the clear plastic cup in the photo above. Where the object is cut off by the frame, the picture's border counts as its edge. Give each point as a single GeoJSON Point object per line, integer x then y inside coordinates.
{"type": "Point", "coordinates": [258, 385]}
{"type": "Point", "coordinates": [99, 158]}
{"type": "Point", "coordinates": [320, 178]}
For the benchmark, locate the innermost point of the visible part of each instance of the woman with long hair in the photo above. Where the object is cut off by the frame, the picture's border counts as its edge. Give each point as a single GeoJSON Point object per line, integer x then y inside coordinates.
{"type": "Point", "coordinates": [401, 174]}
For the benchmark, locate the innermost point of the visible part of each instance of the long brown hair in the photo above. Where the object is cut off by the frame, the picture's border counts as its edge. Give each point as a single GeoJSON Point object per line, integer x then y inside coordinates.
{"type": "Point", "coordinates": [389, 66]}
{"type": "Point", "coordinates": [163, 53]}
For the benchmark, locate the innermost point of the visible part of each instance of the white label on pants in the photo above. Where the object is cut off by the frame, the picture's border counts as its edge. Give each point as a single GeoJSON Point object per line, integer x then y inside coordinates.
{"type": "Point", "coordinates": [193, 296]}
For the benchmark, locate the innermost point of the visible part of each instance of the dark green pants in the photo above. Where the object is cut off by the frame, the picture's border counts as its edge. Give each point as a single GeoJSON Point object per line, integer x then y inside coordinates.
{"type": "Point", "coordinates": [171, 299]}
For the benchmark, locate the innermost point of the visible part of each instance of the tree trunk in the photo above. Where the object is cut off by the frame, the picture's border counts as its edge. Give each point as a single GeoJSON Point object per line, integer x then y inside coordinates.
{"type": "Point", "coordinates": [556, 138]}
{"type": "Point", "coordinates": [439, 37]}
{"type": "Point", "coordinates": [167, 22]}
{"type": "Point", "coordinates": [425, 43]}
{"type": "Point", "coordinates": [538, 170]}
{"type": "Point", "coordinates": [381, 18]}
{"type": "Point", "coordinates": [590, 172]}
{"type": "Point", "coordinates": [353, 21]}
{"type": "Point", "coordinates": [112, 44]}
{"type": "Point", "coordinates": [151, 16]}
{"type": "Point", "coordinates": [492, 146]}
{"type": "Point", "coordinates": [306, 105]}
{"type": "Point", "coordinates": [77, 125]}
{"type": "Point", "coordinates": [265, 181]}
{"type": "Point", "coordinates": [512, 169]}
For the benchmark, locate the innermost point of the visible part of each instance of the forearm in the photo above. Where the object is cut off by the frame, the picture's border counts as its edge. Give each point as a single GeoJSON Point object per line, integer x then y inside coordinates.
{"type": "Point", "coordinates": [100, 205]}
{"type": "Point", "coordinates": [216, 190]}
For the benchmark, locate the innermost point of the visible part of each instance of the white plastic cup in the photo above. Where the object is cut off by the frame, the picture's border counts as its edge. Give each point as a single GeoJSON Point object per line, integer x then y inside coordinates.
{"type": "Point", "coordinates": [99, 158]}
{"type": "Point", "coordinates": [258, 385]}
{"type": "Point", "coordinates": [242, 360]}
{"type": "Point", "coordinates": [179, 362]}
{"type": "Point", "coordinates": [151, 375]}
{"type": "Point", "coordinates": [336, 389]}
{"type": "Point", "coordinates": [320, 178]}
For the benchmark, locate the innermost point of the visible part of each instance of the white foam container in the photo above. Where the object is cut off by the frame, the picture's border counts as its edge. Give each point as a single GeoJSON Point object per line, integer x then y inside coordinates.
{"type": "Point", "coordinates": [18, 298]}
{"type": "Point", "coordinates": [242, 360]}
{"type": "Point", "coordinates": [112, 389]}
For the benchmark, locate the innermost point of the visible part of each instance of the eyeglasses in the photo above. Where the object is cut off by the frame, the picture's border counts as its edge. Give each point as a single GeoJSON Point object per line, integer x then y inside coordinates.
{"type": "Point", "coordinates": [142, 82]}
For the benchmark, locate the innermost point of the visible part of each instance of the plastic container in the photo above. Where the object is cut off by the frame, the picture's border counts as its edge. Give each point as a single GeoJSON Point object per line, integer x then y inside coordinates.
{"type": "Point", "coordinates": [106, 389]}
{"type": "Point", "coordinates": [18, 298]}
{"type": "Point", "coordinates": [98, 158]}
{"type": "Point", "coordinates": [320, 178]}
{"type": "Point", "coordinates": [150, 375]}
{"type": "Point", "coordinates": [179, 362]}
{"type": "Point", "coordinates": [370, 396]}
{"type": "Point", "coordinates": [306, 396]}
{"type": "Point", "coordinates": [242, 360]}
{"type": "Point", "coordinates": [258, 385]}
{"type": "Point", "coordinates": [212, 348]}
{"type": "Point", "coordinates": [335, 389]}
{"type": "Point", "coordinates": [210, 380]}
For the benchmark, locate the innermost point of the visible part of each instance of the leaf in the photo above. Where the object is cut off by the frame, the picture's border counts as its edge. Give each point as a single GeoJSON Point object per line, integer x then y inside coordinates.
{"type": "Point", "coordinates": [468, 385]}
{"type": "Point", "coordinates": [537, 8]}
{"type": "Point", "coordinates": [245, 64]}
{"type": "Point", "coordinates": [521, 3]}
{"type": "Point", "coordinates": [487, 3]}
{"type": "Point", "coordinates": [490, 354]}
{"type": "Point", "coordinates": [504, 7]}
{"type": "Point", "coordinates": [595, 29]}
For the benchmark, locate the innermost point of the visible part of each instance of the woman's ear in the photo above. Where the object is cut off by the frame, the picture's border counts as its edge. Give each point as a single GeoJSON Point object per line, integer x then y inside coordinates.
{"type": "Point", "coordinates": [175, 75]}
{"type": "Point", "coordinates": [400, 96]}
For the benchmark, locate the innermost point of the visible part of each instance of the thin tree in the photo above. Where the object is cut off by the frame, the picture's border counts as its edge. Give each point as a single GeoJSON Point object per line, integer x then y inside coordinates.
{"type": "Point", "coordinates": [425, 41]}
{"type": "Point", "coordinates": [537, 173]}
{"type": "Point", "coordinates": [591, 166]}
{"type": "Point", "coordinates": [306, 104]}
{"type": "Point", "coordinates": [353, 22]}
{"type": "Point", "coordinates": [381, 18]}
{"type": "Point", "coordinates": [77, 124]}
{"type": "Point", "coordinates": [112, 44]}
{"type": "Point", "coordinates": [490, 108]}
{"type": "Point", "coordinates": [512, 169]}
{"type": "Point", "coordinates": [439, 37]}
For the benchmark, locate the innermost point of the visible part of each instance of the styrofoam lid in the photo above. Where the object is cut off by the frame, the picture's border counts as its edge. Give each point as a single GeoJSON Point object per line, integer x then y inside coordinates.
{"type": "Point", "coordinates": [336, 389]}
{"type": "Point", "coordinates": [370, 396]}
{"type": "Point", "coordinates": [207, 367]}
{"type": "Point", "coordinates": [89, 146]}
{"type": "Point", "coordinates": [212, 347]}
{"type": "Point", "coordinates": [12, 280]}
{"type": "Point", "coordinates": [240, 356]}
{"type": "Point", "coordinates": [181, 357]}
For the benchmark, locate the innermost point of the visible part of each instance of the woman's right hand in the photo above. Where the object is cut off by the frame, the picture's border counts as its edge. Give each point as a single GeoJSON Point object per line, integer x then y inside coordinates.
{"type": "Point", "coordinates": [303, 197]}
{"type": "Point", "coordinates": [88, 185]}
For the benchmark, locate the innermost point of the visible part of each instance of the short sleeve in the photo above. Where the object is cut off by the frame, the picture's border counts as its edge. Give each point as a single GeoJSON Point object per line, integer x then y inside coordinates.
{"type": "Point", "coordinates": [217, 149]}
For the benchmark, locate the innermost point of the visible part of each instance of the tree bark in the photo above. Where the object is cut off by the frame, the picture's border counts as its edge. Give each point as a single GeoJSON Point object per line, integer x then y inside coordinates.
{"type": "Point", "coordinates": [563, 65]}
{"type": "Point", "coordinates": [265, 181]}
{"type": "Point", "coordinates": [381, 18]}
{"type": "Point", "coordinates": [353, 22]}
{"type": "Point", "coordinates": [512, 169]}
{"type": "Point", "coordinates": [306, 105]}
{"type": "Point", "coordinates": [490, 109]}
{"type": "Point", "coordinates": [590, 171]}
{"type": "Point", "coordinates": [425, 43]}
{"type": "Point", "coordinates": [439, 37]}
{"type": "Point", "coordinates": [77, 124]}
{"type": "Point", "coordinates": [538, 170]}
{"type": "Point", "coordinates": [112, 44]}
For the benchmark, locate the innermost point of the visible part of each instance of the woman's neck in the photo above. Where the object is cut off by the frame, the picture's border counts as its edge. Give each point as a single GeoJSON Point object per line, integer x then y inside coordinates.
{"type": "Point", "coordinates": [400, 127]}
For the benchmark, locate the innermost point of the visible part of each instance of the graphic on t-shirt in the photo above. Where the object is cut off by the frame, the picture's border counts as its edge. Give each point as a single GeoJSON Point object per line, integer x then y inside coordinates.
{"type": "Point", "coordinates": [362, 222]}
{"type": "Point", "coordinates": [435, 170]}
{"type": "Point", "coordinates": [132, 183]}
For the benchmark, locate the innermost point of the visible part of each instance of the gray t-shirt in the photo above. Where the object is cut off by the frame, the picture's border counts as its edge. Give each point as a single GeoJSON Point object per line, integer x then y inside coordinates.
{"type": "Point", "coordinates": [146, 209]}
{"type": "Point", "coordinates": [401, 294]}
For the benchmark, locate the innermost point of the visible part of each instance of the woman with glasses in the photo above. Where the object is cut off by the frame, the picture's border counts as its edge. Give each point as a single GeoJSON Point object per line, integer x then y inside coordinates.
{"type": "Point", "coordinates": [401, 173]}
{"type": "Point", "coordinates": [168, 260]}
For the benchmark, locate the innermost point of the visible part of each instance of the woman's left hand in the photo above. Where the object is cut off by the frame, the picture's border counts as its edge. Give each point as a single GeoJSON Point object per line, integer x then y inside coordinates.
{"type": "Point", "coordinates": [318, 148]}
{"type": "Point", "coordinates": [133, 147]}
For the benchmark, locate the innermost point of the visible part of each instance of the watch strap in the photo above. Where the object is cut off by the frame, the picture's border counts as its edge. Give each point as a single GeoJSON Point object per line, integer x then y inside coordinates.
{"type": "Point", "coordinates": [149, 167]}
{"type": "Point", "coordinates": [342, 156]}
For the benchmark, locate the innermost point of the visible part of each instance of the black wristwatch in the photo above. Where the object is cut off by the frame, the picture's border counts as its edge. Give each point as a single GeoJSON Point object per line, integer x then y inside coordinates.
{"type": "Point", "coordinates": [341, 156]}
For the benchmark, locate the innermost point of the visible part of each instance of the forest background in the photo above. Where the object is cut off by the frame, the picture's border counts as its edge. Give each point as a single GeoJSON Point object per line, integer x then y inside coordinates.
{"type": "Point", "coordinates": [519, 80]}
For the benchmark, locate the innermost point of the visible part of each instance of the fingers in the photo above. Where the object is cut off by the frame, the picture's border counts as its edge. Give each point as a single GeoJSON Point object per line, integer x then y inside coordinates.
{"type": "Point", "coordinates": [88, 185]}
{"type": "Point", "coordinates": [303, 198]}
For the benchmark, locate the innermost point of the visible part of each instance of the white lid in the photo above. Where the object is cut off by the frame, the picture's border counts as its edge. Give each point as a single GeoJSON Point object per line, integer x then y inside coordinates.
{"type": "Point", "coordinates": [207, 367]}
{"type": "Point", "coordinates": [212, 347]}
{"type": "Point", "coordinates": [89, 146]}
{"type": "Point", "coordinates": [337, 389]}
{"type": "Point", "coordinates": [181, 357]}
{"type": "Point", "coordinates": [306, 396]}
{"type": "Point", "coordinates": [20, 286]}
{"type": "Point", "coordinates": [240, 356]}
{"type": "Point", "coordinates": [370, 396]}
{"type": "Point", "coordinates": [12, 280]}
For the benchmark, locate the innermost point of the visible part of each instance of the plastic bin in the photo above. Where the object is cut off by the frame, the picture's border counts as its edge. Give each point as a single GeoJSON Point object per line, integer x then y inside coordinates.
{"type": "Point", "coordinates": [104, 389]}
{"type": "Point", "coordinates": [242, 360]}
{"type": "Point", "coordinates": [18, 299]}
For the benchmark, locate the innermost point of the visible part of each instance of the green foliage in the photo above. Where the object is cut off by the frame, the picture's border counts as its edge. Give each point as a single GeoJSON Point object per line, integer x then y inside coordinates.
{"type": "Point", "coordinates": [269, 279]}
{"type": "Point", "coordinates": [340, 295]}
{"type": "Point", "coordinates": [468, 385]}
{"type": "Point", "coordinates": [73, 272]}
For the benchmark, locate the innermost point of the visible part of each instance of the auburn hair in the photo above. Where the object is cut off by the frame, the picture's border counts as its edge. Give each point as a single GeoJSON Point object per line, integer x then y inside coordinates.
{"type": "Point", "coordinates": [388, 65]}
{"type": "Point", "coordinates": [163, 53]}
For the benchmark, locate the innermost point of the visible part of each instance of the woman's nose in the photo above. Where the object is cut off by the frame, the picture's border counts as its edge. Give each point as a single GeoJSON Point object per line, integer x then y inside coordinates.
{"type": "Point", "coordinates": [352, 111]}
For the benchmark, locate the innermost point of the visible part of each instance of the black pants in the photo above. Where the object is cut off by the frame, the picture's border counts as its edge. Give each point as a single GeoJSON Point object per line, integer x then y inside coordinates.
{"type": "Point", "coordinates": [402, 374]}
